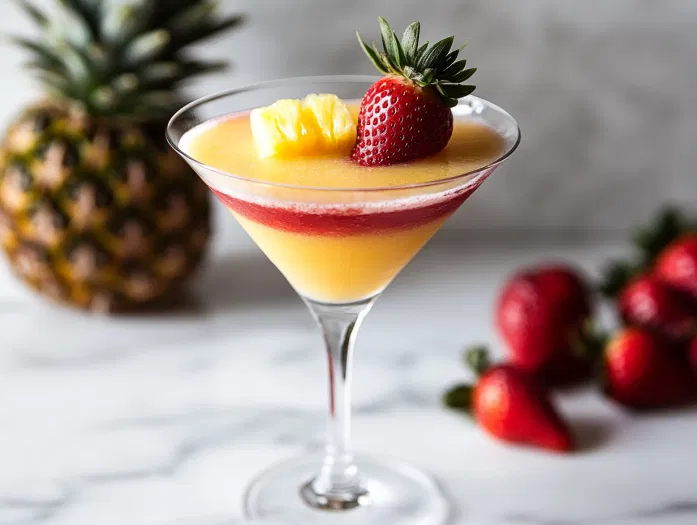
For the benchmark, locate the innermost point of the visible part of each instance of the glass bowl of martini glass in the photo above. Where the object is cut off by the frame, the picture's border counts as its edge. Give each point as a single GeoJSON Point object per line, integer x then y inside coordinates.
{"type": "Point", "coordinates": [339, 232]}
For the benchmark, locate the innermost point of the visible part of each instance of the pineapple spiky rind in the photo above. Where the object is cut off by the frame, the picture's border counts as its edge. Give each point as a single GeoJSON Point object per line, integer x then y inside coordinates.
{"type": "Point", "coordinates": [95, 210]}
{"type": "Point", "coordinates": [96, 215]}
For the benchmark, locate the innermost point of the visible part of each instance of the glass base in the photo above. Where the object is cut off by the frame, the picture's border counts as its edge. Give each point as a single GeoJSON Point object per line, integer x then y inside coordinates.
{"type": "Point", "coordinates": [396, 494]}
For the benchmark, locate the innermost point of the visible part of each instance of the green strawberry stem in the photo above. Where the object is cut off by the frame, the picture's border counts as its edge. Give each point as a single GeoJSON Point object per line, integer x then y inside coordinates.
{"type": "Point", "coordinates": [436, 67]}
{"type": "Point", "coordinates": [459, 397]}
{"type": "Point", "coordinates": [616, 276]}
{"type": "Point", "coordinates": [649, 240]}
{"type": "Point", "coordinates": [477, 359]}
{"type": "Point", "coordinates": [590, 342]}
{"type": "Point", "coordinates": [669, 224]}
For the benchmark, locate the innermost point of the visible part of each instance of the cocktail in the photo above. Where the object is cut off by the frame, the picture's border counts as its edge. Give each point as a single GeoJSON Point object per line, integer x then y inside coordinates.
{"type": "Point", "coordinates": [341, 181]}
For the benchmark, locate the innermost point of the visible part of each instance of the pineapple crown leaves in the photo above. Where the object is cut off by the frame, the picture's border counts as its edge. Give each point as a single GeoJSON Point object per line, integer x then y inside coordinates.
{"type": "Point", "coordinates": [122, 61]}
{"type": "Point", "coordinates": [435, 66]}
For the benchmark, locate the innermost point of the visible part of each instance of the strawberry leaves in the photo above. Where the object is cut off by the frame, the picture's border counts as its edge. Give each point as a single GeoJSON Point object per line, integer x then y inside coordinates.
{"type": "Point", "coordinates": [649, 240]}
{"type": "Point", "coordinates": [426, 66]}
{"type": "Point", "coordinates": [410, 41]}
{"type": "Point", "coordinates": [436, 55]}
{"type": "Point", "coordinates": [391, 44]}
{"type": "Point", "coordinates": [456, 91]}
{"type": "Point", "coordinates": [477, 359]}
{"type": "Point", "coordinates": [459, 398]}
{"type": "Point", "coordinates": [373, 54]}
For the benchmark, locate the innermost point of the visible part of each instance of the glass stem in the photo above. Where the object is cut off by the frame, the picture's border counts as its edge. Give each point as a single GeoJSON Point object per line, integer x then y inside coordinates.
{"type": "Point", "coordinates": [337, 486]}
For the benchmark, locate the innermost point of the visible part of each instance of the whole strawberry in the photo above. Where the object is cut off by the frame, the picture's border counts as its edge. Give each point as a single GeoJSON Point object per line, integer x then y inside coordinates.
{"type": "Point", "coordinates": [650, 303]}
{"type": "Point", "coordinates": [511, 405]}
{"type": "Point", "coordinates": [641, 372]}
{"type": "Point", "coordinates": [406, 115]}
{"type": "Point", "coordinates": [541, 314]}
{"type": "Point", "coordinates": [677, 265]}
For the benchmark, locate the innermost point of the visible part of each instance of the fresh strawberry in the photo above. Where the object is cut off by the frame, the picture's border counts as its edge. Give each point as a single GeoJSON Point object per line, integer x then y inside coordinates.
{"type": "Point", "coordinates": [511, 405]}
{"type": "Point", "coordinates": [399, 122]}
{"type": "Point", "coordinates": [541, 315]}
{"type": "Point", "coordinates": [406, 115]}
{"type": "Point", "coordinates": [677, 265]}
{"type": "Point", "coordinates": [649, 303]}
{"type": "Point", "coordinates": [641, 372]}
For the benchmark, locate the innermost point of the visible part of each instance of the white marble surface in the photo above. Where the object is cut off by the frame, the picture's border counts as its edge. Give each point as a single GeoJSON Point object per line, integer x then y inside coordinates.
{"type": "Point", "coordinates": [164, 419]}
{"type": "Point", "coordinates": [604, 91]}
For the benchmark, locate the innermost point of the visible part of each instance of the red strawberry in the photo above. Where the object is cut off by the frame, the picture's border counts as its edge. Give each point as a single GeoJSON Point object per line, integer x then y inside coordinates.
{"type": "Point", "coordinates": [649, 303]}
{"type": "Point", "coordinates": [400, 121]}
{"type": "Point", "coordinates": [641, 372]}
{"type": "Point", "coordinates": [512, 406]}
{"type": "Point", "coordinates": [406, 115]}
{"type": "Point", "coordinates": [541, 314]}
{"type": "Point", "coordinates": [677, 265]}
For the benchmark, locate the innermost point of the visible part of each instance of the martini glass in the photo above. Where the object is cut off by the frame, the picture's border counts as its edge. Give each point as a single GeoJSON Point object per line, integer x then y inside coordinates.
{"type": "Point", "coordinates": [339, 248]}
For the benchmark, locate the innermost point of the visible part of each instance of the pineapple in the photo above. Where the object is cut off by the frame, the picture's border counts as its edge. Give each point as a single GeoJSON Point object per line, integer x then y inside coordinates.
{"type": "Point", "coordinates": [312, 126]}
{"type": "Point", "coordinates": [95, 210]}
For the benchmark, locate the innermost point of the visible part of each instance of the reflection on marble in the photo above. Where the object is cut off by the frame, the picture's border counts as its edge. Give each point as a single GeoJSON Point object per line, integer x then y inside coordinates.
{"type": "Point", "coordinates": [164, 419]}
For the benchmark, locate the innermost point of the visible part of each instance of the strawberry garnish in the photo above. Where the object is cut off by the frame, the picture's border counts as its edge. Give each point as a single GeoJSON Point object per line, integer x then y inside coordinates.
{"type": "Point", "coordinates": [406, 115]}
{"type": "Point", "coordinates": [511, 405]}
{"type": "Point", "coordinates": [642, 372]}
{"type": "Point", "coordinates": [542, 315]}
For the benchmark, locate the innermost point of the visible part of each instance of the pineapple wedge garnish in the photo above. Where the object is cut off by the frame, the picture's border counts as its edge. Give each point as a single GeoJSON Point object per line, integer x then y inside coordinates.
{"type": "Point", "coordinates": [316, 125]}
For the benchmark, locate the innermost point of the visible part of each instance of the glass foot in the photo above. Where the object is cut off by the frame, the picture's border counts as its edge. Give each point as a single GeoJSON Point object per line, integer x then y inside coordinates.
{"type": "Point", "coordinates": [395, 493]}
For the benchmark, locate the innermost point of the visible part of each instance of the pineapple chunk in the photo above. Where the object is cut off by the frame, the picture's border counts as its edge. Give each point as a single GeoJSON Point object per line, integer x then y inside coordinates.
{"type": "Point", "coordinates": [316, 125]}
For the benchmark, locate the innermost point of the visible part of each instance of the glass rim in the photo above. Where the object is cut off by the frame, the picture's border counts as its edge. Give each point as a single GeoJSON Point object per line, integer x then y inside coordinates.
{"type": "Point", "coordinates": [330, 79]}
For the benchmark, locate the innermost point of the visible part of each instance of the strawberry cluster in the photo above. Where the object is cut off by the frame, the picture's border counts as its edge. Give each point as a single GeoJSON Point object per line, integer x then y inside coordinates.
{"type": "Point", "coordinates": [545, 317]}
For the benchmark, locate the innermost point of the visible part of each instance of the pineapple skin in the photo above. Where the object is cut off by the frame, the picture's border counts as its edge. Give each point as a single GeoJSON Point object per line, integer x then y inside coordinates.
{"type": "Point", "coordinates": [98, 214]}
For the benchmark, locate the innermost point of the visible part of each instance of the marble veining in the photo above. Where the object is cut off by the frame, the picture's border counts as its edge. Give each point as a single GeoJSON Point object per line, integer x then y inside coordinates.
{"type": "Point", "coordinates": [163, 419]}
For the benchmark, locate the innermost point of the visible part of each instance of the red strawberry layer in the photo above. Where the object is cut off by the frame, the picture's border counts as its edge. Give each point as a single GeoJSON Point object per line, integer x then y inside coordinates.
{"type": "Point", "coordinates": [351, 220]}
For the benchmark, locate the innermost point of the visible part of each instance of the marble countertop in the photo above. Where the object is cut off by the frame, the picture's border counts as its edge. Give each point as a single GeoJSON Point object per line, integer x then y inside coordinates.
{"type": "Point", "coordinates": [163, 419]}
